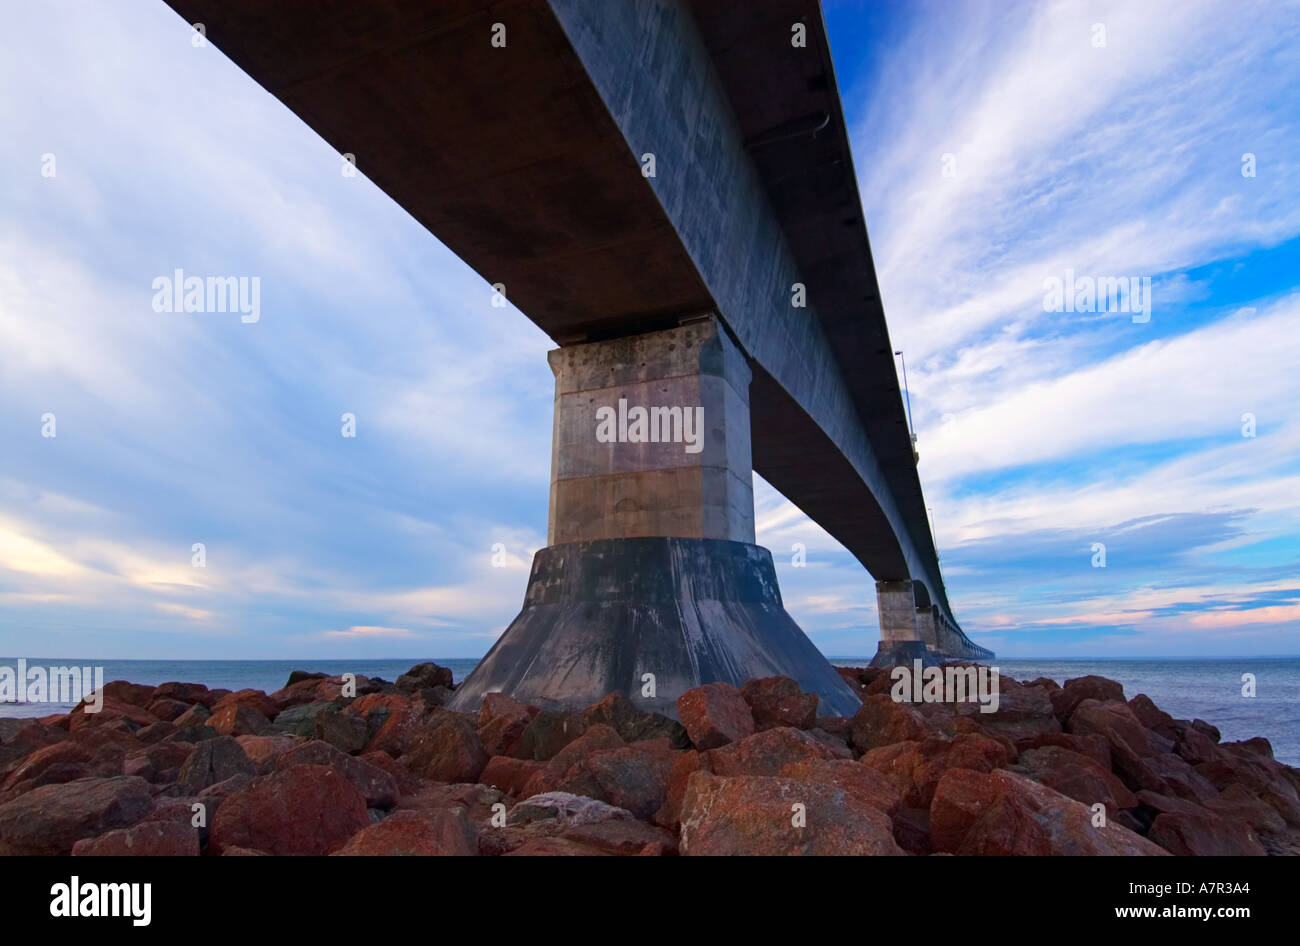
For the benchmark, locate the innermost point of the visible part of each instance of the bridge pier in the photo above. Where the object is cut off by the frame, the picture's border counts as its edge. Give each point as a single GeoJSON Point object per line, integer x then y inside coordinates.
{"type": "Point", "coordinates": [651, 583]}
{"type": "Point", "coordinates": [901, 640]}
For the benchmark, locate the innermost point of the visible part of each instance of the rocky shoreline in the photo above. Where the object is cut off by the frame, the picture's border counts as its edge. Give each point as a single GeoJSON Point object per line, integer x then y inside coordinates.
{"type": "Point", "coordinates": [356, 766]}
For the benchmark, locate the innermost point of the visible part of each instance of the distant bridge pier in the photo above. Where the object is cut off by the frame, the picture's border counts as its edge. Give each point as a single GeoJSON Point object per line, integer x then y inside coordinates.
{"type": "Point", "coordinates": [651, 583]}
{"type": "Point", "coordinates": [901, 640]}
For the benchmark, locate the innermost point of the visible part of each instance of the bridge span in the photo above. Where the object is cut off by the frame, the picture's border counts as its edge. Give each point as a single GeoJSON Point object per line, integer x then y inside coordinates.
{"type": "Point", "coordinates": [666, 188]}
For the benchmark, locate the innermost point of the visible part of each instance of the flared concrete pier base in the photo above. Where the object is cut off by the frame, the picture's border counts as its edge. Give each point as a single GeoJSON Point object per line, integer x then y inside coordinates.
{"type": "Point", "coordinates": [600, 616]}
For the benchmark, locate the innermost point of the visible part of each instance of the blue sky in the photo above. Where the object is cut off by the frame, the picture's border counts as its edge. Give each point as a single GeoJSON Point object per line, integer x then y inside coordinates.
{"type": "Point", "coordinates": [1040, 433]}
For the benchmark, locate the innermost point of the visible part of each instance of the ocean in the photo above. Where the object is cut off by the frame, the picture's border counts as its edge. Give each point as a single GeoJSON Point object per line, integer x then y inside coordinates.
{"type": "Point", "coordinates": [1190, 688]}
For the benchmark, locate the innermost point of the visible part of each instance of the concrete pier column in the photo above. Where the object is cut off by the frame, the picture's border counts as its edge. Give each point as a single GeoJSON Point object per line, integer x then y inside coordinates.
{"type": "Point", "coordinates": [651, 584]}
{"type": "Point", "coordinates": [927, 627]}
{"type": "Point", "coordinates": [652, 438]}
{"type": "Point", "coordinates": [900, 641]}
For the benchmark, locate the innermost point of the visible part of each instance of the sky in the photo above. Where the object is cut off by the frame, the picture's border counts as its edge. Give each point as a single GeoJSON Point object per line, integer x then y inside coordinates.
{"type": "Point", "coordinates": [998, 146]}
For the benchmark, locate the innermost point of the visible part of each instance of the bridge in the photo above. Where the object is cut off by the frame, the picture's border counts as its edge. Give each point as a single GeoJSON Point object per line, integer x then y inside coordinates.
{"type": "Point", "coordinates": [666, 188]}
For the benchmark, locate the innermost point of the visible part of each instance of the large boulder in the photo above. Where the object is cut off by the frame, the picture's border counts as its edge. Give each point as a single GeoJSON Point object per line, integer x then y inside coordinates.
{"type": "Point", "coordinates": [501, 723]}
{"type": "Point", "coordinates": [1075, 775]}
{"type": "Point", "coordinates": [1205, 834]}
{"type": "Point", "coordinates": [767, 752]}
{"type": "Point", "coordinates": [548, 733]}
{"type": "Point", "coordinates": [766, 815]}
{"type": "Point", "coordinates": [238, 719]}
{"type": "Point", "coordinates": [915, 767]}
{"type": "Point", "coordinates": [435, 832]}
{"type": "Point", "coordinates": [1114, 720]}
{"type": "Point", "coordinates": [447, 748]}
{"type": "Point", "coordinates": [302, 809]}
{"type": "Point", "coordinates": [633, 777]}
{"type": "Point", "coordinates": [376, 786]}
{"type": "Point", "coordinates": [424, 676]}
{"type": "Point", "coordinates": [148, 839]}
{"type": "Point", "coordinates": [880, 721]}
{"type": "Point", "coordinates": [213, 761]}
{"type": "Point", "coordinates": [861, 781]}
{"type": "Point", "coordinates": [1091, 687]}
{"type": "Point", "coordinates": [715, 714]}
{"type": "Point", "coordinates": [634, 724]}
{"type": "Point", "coordinates": [778, 701]}
{"type": "Point", "coordinates": [51, 819]}
{"type": "Point", "coordinates": [1002, 812]}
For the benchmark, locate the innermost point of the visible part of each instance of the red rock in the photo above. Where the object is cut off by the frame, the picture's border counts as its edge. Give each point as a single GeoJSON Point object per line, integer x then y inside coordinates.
{"type": "Point", "coordinates": [510, 774]}
{"type": "Point", "coordinates": [1065, 700]}
{"type": "Point", "coordinates": [1023, 713]}
{"type": "Point", "coordinates": [406, 782]}
{"type": "Point", "coordinates": [1092, 745]}
{"type": "Point", "coordinates": [155, 732]}
{"type": "Point", "coordinates": [715, 714]}
{"type": "Point", "coordinates": [402, 720]}
{"type": "Point", "coordinates": [1002, 812]}
{"type": "Point", "coordinates": [1076, 776]}
{"type": "Point", "coordinates": [501, 723]}
{"type": "Point", "coordinates": [595, 739]}
{"type": "Point", "coordinates": [375, 785]}
{"type": "Point", "coordinates": [296, 693]}
{"type": "Point", "coordinates": [212, 761]}
{"type": "Point", "coordinates": [684, 763]}
{"type": "Point", "coordinates": [622, 836]}
{"type": "Point", "coordinates": [548, 733]}
{"type": "Point", "coordinates": [1115, 721]}
{"type": "Point", "coordinates": [778, 701]}
{"type": "Point", "coordinates": [553, 847]}
{"type": "Point", "coordinates": [1257, 745]}
{"type": "Point", "coordinates": [447, 748]}
{"type": "Point", "coordinates": [914, 768]}
{"type": "Point", "coordinates": [254, 699]}
{"type": "Point", "coordinates": [263, 749]}
{"type": "Point", "coordinates": [757, 815]}
{"type": "Point", "coordinates": [423, 676]}
{"type": "Point", "coordinates": [766, 753]}
{"type": "Point", "coordinates": [444, 832]}
{"type": "Point", "coordinates": [478, 800]}
{"type": "Point", "coordinates": [111, 711]}
{"type": "Point", "coordinates": [1183, 780]}
{"type": "Point", "coordinates": [303, 809]}
{"type": "Point", "coordinates": [153, 762]}
{"type": "Point", "coordinates": [196, 715]}
{"type": "Point", "coordinates": [149, 839]}
{"type": "Point", "coordinates": [912, 830]}
{"type": "Point", "coordinates": [634, 777]}
{"type": "Point", "coordinates": [345, 731]}
{"type": "Point", "coordinates": [882, 722]}
{"type": "Point", "coordinates": [1237, 803]}
{"type": "Point", "coordinates": [52, 818]}
{"type": "Point", "coordinates": [61, 754]}
{"type": "Point", "coordinates": [1152, 717]}
{"type": "Point", "coordinates": [184, 692]}
{"type": "Point", "coordinates": [1205, 835]}
{"type": "Point", "coordinates": [242, 852]}
{"type": "Point", "coordinates": [634, 724]}
{"type": "Point", "coordinates": [238, 719]}
{"type": "Point", "coordinates": [861, 781]}
{"type": "Point", "coordinates": [134, 693]}
{"type": "Point", "coordinates": [166, 709]}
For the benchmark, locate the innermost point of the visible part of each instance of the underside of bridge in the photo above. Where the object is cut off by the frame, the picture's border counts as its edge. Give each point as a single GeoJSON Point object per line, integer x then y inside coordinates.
{"type": "Point", "coordinates": [633, 170]}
